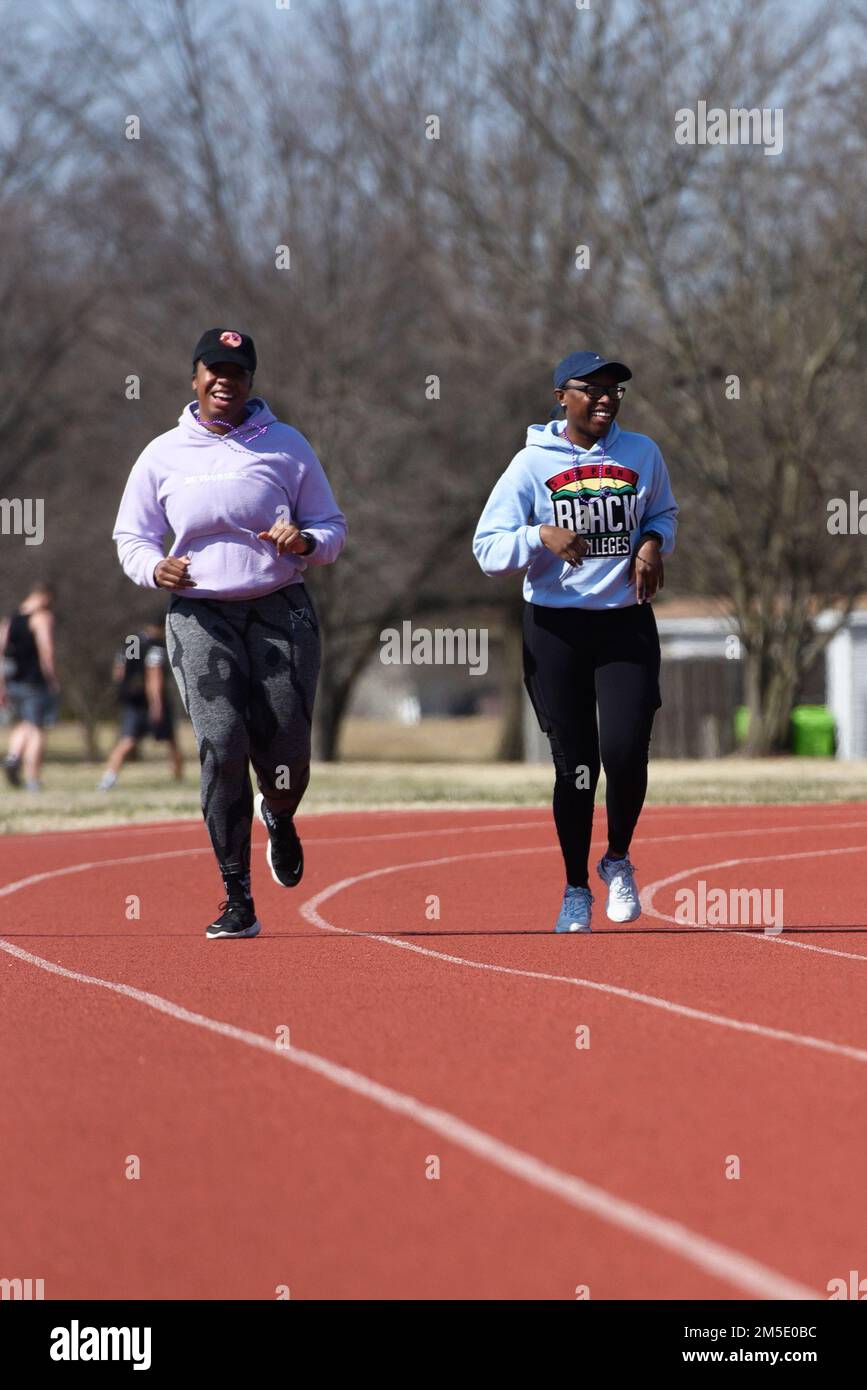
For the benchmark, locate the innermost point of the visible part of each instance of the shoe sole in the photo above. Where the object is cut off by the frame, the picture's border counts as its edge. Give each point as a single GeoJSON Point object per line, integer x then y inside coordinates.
{"type": "Point", "coordinates": [623, 920]}
{"type": "Point", "coordinates": [257, 806]}
{"type": "Point", "coordinates": [573, 931]}
{"type": "Point", "coordinates": [253, 930]}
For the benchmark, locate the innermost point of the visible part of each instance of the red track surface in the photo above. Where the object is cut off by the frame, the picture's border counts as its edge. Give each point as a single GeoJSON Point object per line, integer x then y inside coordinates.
{"type": "Point", "coordinates": [264, 1166]}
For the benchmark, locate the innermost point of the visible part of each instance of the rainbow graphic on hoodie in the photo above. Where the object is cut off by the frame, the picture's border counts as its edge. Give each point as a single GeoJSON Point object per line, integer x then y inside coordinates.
{"type": "Point", "coordinates": [600, 501]}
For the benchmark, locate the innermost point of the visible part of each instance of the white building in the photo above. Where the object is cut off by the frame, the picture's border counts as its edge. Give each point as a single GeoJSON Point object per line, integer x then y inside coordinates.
{"type": "Point", "coordinates": [846, 682]}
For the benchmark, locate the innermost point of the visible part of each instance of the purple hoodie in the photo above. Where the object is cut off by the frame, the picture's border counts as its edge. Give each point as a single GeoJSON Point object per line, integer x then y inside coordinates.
{"type": "Point", "coordinates": [216, 492]}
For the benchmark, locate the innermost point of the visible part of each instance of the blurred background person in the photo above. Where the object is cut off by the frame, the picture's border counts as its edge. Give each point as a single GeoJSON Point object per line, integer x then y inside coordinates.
{"type": "Point", "coordinates": [28, 684]}
{"type": "Point", "coordinates": [140, 678]}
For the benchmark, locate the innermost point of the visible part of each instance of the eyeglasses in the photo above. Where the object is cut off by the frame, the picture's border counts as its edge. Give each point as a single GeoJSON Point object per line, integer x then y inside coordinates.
{"type": "Point", "coordinates": [597, 392]}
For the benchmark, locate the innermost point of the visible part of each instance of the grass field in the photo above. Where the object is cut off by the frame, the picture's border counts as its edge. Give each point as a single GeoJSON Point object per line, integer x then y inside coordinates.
{"type": "Point", "coordinates": [408, 775]}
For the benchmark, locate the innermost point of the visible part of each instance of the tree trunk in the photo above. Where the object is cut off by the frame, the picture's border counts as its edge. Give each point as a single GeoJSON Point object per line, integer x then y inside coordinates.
{"type": "Point", "coordinates": [92, 750]}
{"type": "Point", "coordinates": [332, 698]}
{"type": "Point", "coordinates": [770, 691]}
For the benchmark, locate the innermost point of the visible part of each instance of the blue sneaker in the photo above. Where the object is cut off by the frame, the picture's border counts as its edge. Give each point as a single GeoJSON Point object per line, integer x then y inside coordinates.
{"type": "Point", "coordinates": [576, 910]}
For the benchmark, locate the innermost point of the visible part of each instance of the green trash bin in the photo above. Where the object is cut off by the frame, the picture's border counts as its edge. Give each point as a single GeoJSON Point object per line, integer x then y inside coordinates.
{"type": "Point", "coordinates": [812, 731]}
{"type": "Point", "coordinates": [742, 724]}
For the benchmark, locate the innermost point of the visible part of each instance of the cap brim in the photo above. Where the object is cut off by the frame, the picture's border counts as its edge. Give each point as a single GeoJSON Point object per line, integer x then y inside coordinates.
{"type": "Point", "coordinates": [623, 372]}
{"type": "Point", "coordinates": [225, 354]}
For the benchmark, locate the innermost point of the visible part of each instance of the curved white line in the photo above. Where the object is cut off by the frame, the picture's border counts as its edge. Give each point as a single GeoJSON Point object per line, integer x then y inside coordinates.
{"type": "Point", "coordinates": [718, 1260]}
{"type": "Point", "coordinates": [708, 1255]}
{"type": "Point", "coordinates": [66, 869]}
{"type": "Point", "coordinates": [649, 892]}
{"type": "Point", "coordinates": [456, 830]}
{"type": "Point", "coordinates": [544, 820]}
{"type": "Point", "coordinates": [309, 910]}
{"type": "Point", "coordinates": [547, 824]}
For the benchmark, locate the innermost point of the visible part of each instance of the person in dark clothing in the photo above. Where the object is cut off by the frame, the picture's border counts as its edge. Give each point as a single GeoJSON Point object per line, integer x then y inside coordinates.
{"type": "Point", "coordinates": [140, 677]}
{"type": "Point", "coordinates": [28, 684]}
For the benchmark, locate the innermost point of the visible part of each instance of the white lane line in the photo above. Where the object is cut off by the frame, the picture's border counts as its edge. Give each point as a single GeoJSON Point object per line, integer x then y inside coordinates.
{"type": "Point", "coordinates": [543, 821]}
{"type": "Point", "coordinates": [648, 894]}
{"type": "Point", "coordinates": [172, 827]}
{"type": "Point", "coordinates": [719, 1261]}
{"type": "Point", "coordinates": [547, 824]}
{"type": "Point", "coordinates": [67, 869]}
{"type": "Point", "coordinates": [456, 830]}
{"type": "Point", "coordinates": [310, 911]}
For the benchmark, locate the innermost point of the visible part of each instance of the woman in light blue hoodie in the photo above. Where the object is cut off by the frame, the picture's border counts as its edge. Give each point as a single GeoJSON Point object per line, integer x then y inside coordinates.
{"type": "Point", "coordinates": [250, 508]}
{"type": "Point", "coordinates": [586, 510]}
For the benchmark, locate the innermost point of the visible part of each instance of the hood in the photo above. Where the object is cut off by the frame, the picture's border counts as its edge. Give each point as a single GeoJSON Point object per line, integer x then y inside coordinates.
{"type": "Point", "coordinates": [260, 414]}
{"type": "Point", "coordinates": [549, 437]}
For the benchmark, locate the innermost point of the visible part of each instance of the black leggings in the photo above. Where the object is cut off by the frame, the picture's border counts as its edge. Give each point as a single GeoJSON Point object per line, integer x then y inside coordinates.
{"type": "Point", "coordinates": [574, 659]}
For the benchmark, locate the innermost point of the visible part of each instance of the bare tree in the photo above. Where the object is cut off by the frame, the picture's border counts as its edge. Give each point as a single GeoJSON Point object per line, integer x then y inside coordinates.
{"type": "Point", "coordinates": [434, 170]}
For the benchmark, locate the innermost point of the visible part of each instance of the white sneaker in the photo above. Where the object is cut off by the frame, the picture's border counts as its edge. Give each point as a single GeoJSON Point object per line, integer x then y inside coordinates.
{"type": "Point", "coordinates": [623, 904]}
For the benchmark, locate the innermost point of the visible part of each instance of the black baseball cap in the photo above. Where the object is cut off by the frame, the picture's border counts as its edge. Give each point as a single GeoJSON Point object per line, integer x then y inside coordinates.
{"type": "Point", "coordinates": [583, 364]}
{"type": "Point", "coordinates": [225, 345]}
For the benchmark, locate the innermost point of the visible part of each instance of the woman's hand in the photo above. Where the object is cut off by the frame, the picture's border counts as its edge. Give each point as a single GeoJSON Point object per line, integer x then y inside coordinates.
{"type": "Point", "coordinates": [646, 570]}
{"type": "Point", "coordinates": [568, 545]}
{"type": "Point", "coordinates": [287, 538]}
{"type": "Point", "coordinates": [172, 573]}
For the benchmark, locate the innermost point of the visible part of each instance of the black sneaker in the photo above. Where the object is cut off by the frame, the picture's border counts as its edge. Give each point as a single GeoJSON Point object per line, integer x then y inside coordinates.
{"type": "Point", "coordinates": [237, 919]}
{"type": "Point", "coordinates": [284, 853]}
{"type": "Point", "coordinates": [12, 768]}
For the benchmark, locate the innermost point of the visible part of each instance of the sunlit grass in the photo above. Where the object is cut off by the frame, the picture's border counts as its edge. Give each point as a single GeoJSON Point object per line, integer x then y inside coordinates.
{"type": "Point", "coordinates": [146, 792]}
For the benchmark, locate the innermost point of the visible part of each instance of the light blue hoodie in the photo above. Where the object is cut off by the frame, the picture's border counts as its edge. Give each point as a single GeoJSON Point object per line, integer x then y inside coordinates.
{"type": "Point", "coordinates": [611, 493]}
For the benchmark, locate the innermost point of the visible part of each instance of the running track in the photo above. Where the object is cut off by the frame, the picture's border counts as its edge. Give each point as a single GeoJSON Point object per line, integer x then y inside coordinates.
{"type": "Point", "coordinates": [410, 1037]}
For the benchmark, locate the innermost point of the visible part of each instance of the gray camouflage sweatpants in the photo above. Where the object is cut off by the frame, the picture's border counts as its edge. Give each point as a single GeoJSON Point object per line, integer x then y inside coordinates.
{"type": "Point", "coordinates": [247, 672]}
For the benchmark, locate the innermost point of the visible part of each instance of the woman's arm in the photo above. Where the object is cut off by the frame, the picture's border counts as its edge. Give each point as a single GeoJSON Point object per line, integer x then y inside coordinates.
{"type": "Point", "coordinates": [660, 508]}
{"type": "Point", "coordinates": [505, 541]}
{"type": "Point", "coordinates": [141, 526]}
{"type": "Point", "coordinates": [317, 513]}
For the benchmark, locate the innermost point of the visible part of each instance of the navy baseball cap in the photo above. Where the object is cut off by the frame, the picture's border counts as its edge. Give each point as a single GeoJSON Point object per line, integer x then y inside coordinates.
{"type": "Point", "coordinates": [225, 345]}
{"type": "Point", "coordinates": [583, 364]}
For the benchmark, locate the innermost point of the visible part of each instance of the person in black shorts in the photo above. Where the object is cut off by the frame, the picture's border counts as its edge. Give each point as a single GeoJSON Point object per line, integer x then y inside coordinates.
{"type": "Point", "coordinates": [586, 510]}
{"type": "Point", "coordinates": [28, 684]}
{"type": "Point", "coordinates": [140, 676]}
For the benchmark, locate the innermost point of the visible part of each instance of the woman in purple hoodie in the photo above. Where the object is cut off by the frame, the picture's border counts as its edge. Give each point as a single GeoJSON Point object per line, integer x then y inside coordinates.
{"type": "Point", "coordinates": [250, 507]}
